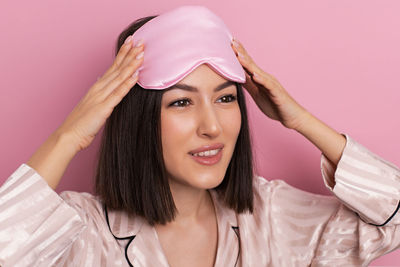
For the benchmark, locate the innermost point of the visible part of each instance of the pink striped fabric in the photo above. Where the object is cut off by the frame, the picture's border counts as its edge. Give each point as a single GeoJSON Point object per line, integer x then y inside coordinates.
{"type": "Point", "coordinates": [289, 227]}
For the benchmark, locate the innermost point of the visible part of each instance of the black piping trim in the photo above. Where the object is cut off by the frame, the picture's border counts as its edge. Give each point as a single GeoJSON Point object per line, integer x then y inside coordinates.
{"type": "Point", "coordinates": [383, 224]}
{"type": "Point", "coordinates": [120, 238]}
{"type": "Point", "coordinates": [236, 230]}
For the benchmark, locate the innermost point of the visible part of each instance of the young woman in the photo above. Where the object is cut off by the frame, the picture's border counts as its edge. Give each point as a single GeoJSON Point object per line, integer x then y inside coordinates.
{"type": "Point", "coordinates": [175, 183]}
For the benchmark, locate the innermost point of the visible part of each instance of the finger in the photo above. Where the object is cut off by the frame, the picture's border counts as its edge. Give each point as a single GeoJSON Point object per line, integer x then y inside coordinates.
{"type": "Point", "coordinates": [122, 77]}
{"type": "Point", "coordinates": [257, 74]}
{"type": "Point", "coordinates": [120, 92]}
{"type": "Point", "coordinates": [244, 58]}
{"type": "Point", "coordinates": [132, 55]}
{"type": "Point", "coordinates": [129, 59]}
{"type": "Point", "coordinates": [264, 79]}
{"type": "Point", "coordinates": [250, 86]}
{"type": "Point", "coordinates": [123, 51]}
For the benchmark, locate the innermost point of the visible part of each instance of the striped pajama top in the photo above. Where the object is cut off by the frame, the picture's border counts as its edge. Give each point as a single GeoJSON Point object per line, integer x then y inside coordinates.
{"type": "Point", "coordinates": [289, 227]}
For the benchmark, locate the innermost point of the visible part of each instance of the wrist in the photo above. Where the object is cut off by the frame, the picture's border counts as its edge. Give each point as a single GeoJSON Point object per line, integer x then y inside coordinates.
{"type": "Point", "coordinates": [66, 142]}
{"type": "Point", "coordinates": [52, 158]}
{"type": "Point", "coordinates": [304, 122]}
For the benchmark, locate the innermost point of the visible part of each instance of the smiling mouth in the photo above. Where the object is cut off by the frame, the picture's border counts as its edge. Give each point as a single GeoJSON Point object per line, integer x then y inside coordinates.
{"type": "Point", "coordinates": [213, 157]}
{"type": "Point", "coordinates": [207, 153]}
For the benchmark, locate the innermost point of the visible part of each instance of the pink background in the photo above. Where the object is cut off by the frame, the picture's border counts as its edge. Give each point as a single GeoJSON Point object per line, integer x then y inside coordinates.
{"type": "Point", "coordinates": [339, 59]}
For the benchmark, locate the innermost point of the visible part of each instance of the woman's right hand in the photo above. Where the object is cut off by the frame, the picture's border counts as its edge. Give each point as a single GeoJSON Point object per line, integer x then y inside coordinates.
{"type": "Point", "coordinates": [90, 114]}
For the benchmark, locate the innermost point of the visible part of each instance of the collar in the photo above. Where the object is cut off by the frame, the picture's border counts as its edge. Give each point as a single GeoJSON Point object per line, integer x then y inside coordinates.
{"type": "Point", "coordinates": [143, 248]}
{"type": "Point", "coordinates": [123, 225]}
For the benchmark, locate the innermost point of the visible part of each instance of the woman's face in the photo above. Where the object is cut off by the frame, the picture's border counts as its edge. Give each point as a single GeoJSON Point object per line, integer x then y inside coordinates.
{"type": "Point", "coordinates": [197, 118]}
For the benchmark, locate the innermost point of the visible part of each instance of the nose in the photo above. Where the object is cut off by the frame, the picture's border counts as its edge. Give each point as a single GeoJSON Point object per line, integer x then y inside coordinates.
{"type": "Point", "coordinates": [209, 124]}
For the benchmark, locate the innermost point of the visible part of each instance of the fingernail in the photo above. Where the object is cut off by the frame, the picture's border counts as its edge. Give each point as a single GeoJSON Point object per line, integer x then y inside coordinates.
{"type": "Point", "coordinates": [128, 39]}
{"type": "Point", "coordinates": [241, 55]}
{"type": "Point", "coordinates": [135, 74]}
{"type": "Point", "coordinates": [236, 44]}
{"type": "Point", "coordinates": [139, 43]}
{"type": "Point", "coordinates": [256, 75]}
{"type": "Point", "coordinates": [140, 55]}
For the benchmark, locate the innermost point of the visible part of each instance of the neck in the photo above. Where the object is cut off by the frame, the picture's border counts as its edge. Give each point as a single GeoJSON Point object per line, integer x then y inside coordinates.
{"type": "Point", "coordinates": [193, 204]}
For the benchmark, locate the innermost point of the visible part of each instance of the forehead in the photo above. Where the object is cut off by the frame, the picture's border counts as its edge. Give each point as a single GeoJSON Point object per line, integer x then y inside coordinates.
{"type": "Point", "coordinates": [204, 76]}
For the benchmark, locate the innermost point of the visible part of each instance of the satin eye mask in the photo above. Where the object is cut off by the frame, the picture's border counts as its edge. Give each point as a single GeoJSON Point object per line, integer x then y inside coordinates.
{"type": "Point", "coordinates": [178, 41]}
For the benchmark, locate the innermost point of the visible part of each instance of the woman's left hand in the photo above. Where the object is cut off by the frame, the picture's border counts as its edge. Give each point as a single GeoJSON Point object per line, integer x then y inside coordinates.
{"type": "Point", "coordinates": [269, 94]}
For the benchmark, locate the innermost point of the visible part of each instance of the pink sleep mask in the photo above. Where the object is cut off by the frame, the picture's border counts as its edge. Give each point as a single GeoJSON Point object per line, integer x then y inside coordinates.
{"type": "Point", "coordinates": [178, 41]}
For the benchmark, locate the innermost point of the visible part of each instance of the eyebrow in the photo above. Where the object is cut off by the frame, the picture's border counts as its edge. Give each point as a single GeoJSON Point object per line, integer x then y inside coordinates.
{"type": "Point", "coordinates": [194, 89]}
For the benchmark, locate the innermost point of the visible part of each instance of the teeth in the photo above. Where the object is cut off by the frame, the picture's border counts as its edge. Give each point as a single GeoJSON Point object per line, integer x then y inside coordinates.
{"type": "Point", "coordinates": [207, 153]}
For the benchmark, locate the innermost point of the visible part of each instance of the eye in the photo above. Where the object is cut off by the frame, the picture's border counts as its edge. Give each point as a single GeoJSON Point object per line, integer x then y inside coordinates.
{"type": "Point", "coordinates": [228, 98]}
{"type": "Point", "coordinates": [183, 102]}
{"type": "Point", "coordinates": [180, 102]}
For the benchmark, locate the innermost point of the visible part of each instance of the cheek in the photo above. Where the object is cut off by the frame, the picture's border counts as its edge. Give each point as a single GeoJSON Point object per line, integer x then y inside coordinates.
{"type": "Point", "coordinates": [175, 133]}
{"type": "Point", "coordinates": [232, 122]}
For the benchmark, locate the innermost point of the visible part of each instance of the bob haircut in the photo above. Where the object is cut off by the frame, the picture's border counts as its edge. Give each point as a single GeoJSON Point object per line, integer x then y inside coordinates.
{"type": "Point", "coordinates": [130, 173]}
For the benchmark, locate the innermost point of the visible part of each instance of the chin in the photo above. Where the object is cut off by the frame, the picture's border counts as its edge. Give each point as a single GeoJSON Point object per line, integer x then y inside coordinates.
{"type": "Point", "coordinates": [208, 183]}
{"type": "Point", "coordinates": [195, 175]}
{"type": "Point", "coordinates": [202, 181]}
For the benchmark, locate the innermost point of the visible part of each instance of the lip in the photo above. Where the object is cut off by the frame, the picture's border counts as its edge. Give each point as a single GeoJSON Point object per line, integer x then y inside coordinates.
{"type": "Point", "coordinates": [208, 160]}
{"type": "Point", "coordinates": [207, 147]}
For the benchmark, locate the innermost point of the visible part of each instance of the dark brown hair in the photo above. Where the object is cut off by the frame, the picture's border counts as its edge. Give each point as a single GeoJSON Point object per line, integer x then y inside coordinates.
{"type": "Point", "coordinates": [131, 174]}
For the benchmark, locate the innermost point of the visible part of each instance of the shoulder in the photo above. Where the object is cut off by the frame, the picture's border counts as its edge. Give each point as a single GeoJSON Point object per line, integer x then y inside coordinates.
{"type": "Point", "coordinates": [280, 207]}
{"type": "Point", "coordinates": [261, 184]}
{"type": "Point", "coordinates": [280, 193]}
{"type": "Point", "coordinates": [89, 206]}
{"type": "Point", "coordinates": [80, 198]}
